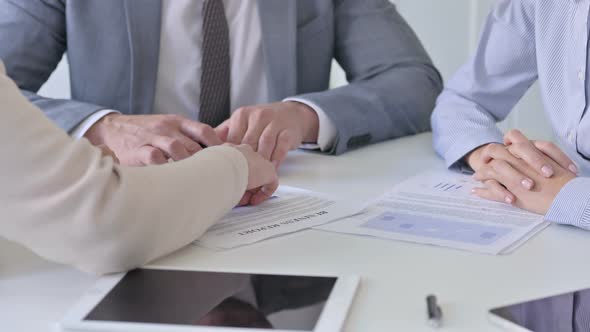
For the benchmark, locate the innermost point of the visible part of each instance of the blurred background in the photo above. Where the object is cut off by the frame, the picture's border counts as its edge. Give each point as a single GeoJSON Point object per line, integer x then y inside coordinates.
{"type": "Point", "coordinates": [449, 31]}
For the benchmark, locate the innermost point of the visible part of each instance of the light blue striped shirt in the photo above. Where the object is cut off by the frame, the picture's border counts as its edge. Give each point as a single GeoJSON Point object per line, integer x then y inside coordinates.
{"type": "Point", "coordinates": [524, 41]}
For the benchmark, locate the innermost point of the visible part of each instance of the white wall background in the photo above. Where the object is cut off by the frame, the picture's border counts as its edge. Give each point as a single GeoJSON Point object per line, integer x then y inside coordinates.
{"type": "Point", "coordinates": [448, 29]}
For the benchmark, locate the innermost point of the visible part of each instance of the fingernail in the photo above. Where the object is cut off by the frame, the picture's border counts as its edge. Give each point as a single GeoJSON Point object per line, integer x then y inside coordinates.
{"type": "Point", "coordinates": [573, 168]}
{"type": "Point", "coordinates": [527, 183]}
{"type": "Point", "coordinates": [508, 199]}
{"type": "Point", "coordinates": [547, 170]}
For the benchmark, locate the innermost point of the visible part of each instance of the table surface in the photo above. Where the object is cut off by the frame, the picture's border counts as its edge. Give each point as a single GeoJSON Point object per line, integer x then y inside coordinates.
{"type": "Point", "coordinates": [396, 276]}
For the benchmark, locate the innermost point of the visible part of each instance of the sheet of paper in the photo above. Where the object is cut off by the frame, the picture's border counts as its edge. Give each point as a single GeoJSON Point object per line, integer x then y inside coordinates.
{"type": "Point", "coordinates": [437, 208]}
{"type": "Point", "coordinates": [291, 210]}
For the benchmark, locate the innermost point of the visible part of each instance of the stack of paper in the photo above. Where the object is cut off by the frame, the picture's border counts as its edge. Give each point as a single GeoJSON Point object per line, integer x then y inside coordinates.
{"type": "Point", "coordinates": [437, 208]}
{"type": "Point", "coordinates": [290, 210]}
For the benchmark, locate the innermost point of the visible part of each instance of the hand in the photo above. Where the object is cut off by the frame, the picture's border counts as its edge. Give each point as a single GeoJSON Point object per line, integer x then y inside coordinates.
{"type": "Point", "coordinates": [273, 130]}
{"type": "Point", "coordinates": [263, 180]}
{"type": "Point", "coordinates": [539, 155]}
{"type": "Point", "coordinates": [502, 184]}
{"type": "Point", "coordinates": [139, 140]}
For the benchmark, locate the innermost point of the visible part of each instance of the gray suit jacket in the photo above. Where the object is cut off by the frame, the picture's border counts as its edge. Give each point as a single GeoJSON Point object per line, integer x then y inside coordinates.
{"type": "Point", "coordinates": [113, 46]}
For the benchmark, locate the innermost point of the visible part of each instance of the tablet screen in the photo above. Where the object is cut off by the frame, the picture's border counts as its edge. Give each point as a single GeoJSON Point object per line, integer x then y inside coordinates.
{"type": "Point", "coordinates": [553, 313]}
{"type": "Point", "coordinates": [215, 299]}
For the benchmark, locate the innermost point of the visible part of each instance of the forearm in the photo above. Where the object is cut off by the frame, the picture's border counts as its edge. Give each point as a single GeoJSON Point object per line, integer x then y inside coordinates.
{"type": "Point", "coordinates": [66, 114]}
{"type": "Point", "coordinates": [395, 103]}
{"type": "Point", "coordinates": [65, 201]}
{"type": "Point", "coordinates": [460, 126]}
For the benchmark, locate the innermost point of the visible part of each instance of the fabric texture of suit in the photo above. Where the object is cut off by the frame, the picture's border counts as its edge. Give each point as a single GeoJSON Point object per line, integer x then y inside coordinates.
{"type": "Point", "coordinates": [65, 201]}
{"type": "Point", "coordinates": [113, 47]}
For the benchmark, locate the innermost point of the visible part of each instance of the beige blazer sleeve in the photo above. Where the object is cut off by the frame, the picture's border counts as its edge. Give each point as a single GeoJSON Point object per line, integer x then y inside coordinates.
{"type": "Point", "coordinates": [65, 201]}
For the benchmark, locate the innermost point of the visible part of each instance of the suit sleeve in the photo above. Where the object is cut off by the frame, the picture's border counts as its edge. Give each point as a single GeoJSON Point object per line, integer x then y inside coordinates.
{"type": "Point", "coordinates": [34, 41]}
{"type": "Point", "coordinates": [393, 83]}
{"type": "Point", "coordinates": [485, 90]}
{"type": "Point", "coordinates": [65, 201]}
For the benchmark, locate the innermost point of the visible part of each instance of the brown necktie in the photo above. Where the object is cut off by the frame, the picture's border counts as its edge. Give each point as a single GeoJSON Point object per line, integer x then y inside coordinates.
{"type": "Point", "coordinates": [215, 79]}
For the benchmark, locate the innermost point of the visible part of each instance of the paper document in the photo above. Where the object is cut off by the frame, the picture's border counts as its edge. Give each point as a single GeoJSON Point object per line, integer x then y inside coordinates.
{"type": "Point", "coordinates": [291, 210]}
{"type": "Point", "coordinates": [437, 208]}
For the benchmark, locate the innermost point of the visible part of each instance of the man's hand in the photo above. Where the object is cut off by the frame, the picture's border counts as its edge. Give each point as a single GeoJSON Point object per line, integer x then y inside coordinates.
{"type": "Point", "coordinates": [263, 180]}
{"type": "Point", "coordinates": [500, 177]}
{"type": "Point", "coordinates": [273, 130]}
{"type": "Point", "coordinates": [138, 140]}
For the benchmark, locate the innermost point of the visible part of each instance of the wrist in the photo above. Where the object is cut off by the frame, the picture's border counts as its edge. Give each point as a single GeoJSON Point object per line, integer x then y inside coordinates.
{"type": "Point", "coordinates": [310, 122]}
{"type": "Point", "coordinates": [95, 133]}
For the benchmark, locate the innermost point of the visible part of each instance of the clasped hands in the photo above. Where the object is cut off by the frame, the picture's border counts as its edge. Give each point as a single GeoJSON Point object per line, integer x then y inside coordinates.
{"type": "Point", "coordinates": [521, 172]}
{"type": "Point", "coordinates": [271, 130]}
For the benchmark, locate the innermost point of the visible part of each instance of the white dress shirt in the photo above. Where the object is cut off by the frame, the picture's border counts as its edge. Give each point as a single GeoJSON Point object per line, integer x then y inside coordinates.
{"type": "Point", "coordinates": [178, 83]}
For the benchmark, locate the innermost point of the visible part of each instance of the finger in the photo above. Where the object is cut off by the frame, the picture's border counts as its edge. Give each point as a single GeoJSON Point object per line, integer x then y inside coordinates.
{"type": "Point", "coordinates": [496, 151]}
{"type": "Point", "coordinates": [223, 130]}
{"type": "Point", "coordinates": [515, 136]}
{"type": "Point", "coordinates": [494, 191]}
{"type": "Point", "coordinates": [149, 155]}
{"type": "Point", "coordinates": [245, 199]}
{"type": "Point", "coordinates": [268, 141]}
{"type": "Point", "coordinates": [264, 193]}
{"type": "Point", "coordinates": [237, 127]}
{"type": "Point", "coordinates": [285, 143]}
{"type": "Point", "coordinates": [532, 156]}
{"type": "Point", "coordinates": [555, 153]}
{"type": "Point", "coordinates": [504, 173]}
{"type": "Point", "coordinates": [171, 147]}
{"type": "Point", "coordinates": [200, 133]}
{"type": "Point", "coordinates": [191, 146]}
{"type": "Point", "coordinates": [256, 126]}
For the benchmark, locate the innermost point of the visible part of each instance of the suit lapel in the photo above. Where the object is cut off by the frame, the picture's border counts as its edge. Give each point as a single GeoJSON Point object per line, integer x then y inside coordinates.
{"type": "Point", "coordinates": [144, 18]}
{"type": "Point", "coordinates": [279, 38]}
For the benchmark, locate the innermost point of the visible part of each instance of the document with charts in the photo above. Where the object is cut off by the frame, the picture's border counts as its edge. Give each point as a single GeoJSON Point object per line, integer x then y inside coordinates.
{"type": "Point", "coordinates": [437, 208]}
{"type": "Point", "coordinates": [290, 210]}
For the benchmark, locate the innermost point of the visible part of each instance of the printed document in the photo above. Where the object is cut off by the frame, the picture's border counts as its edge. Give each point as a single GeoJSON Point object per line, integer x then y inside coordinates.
{"type": "Point", "coordinates": [437, 208]}
{"type": "Point", "coordinates": [290, 210]}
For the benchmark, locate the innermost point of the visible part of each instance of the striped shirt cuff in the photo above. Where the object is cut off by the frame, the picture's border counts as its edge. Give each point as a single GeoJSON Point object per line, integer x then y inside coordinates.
{"type": "Point", "coordinates": [572, 204]}
{"type": "Point", "coordinates": [455, 156]}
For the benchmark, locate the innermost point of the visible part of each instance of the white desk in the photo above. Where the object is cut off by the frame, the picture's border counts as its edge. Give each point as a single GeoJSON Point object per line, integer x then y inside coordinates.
{"type": "Point", "coordinates": [397, 276]}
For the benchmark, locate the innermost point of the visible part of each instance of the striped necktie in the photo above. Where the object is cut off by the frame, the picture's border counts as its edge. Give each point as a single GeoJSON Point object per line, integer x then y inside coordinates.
{"type": "Point", "coordinates": [215, 79]}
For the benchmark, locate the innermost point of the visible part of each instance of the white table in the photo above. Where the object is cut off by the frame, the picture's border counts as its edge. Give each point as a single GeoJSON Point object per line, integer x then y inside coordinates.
{"type": "Point", "coordinates": [397, 276]}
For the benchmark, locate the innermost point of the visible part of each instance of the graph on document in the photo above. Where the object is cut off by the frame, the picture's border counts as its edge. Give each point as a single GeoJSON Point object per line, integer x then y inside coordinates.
{"type": "Point", "coordinates": [436, 228]}
{"type": "Point", "coordinates": [444, 186]}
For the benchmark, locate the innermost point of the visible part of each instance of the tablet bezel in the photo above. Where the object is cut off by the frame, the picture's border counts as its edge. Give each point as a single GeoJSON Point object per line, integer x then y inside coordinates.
{"type": "Point", "coordinates": [331, 319]}
{"type": "Point", "coordinates": [505, 323]}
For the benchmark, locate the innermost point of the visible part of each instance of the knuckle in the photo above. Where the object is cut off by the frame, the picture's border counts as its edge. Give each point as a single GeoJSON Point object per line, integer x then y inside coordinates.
{"type": "Point", "coordinates": [491, 150]}
{"type": "Point", "coordinates": [206, 130]}
{"type": "Point", "coordinates": [513, 133]}
{"type": "Point", "coordinates": [544, 145]}
{"type": "Point", "coordinates": [510, 132]}
{"type": "Point", "coordinates": [267, 139]}
{"type": "Point", "coordinates": [241, 111]}
{"type": "Point", "coordinates": [263, 115]}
